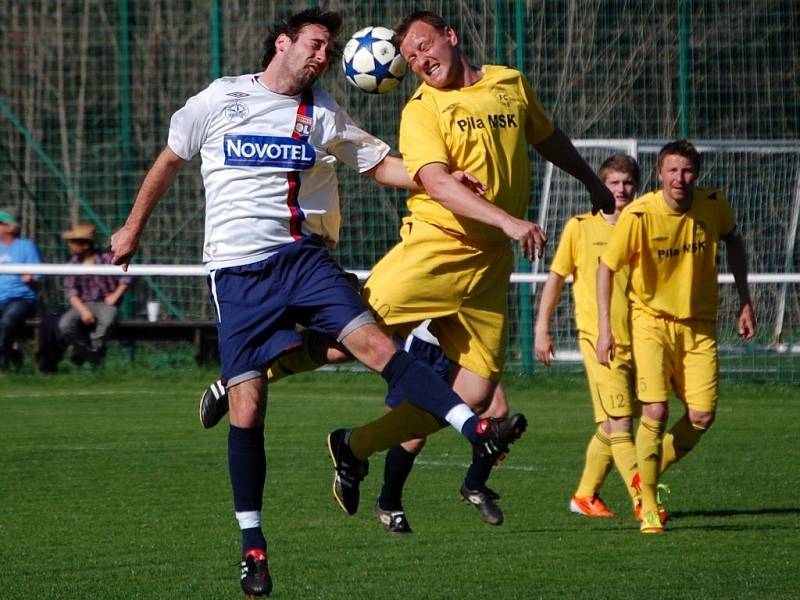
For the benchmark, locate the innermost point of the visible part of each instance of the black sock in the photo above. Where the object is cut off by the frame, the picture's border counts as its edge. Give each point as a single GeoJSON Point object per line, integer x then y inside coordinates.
{"type": "Point", "coordinates": [247, 465]}
{"type": "Point", "coordinates": [253, 538]}
{"type": "Point", "coordinates": [479, 471]}
{"type": "Point", "coordinates": [419, 384]}
{"type": "Point", "coordinates": [399, 463]}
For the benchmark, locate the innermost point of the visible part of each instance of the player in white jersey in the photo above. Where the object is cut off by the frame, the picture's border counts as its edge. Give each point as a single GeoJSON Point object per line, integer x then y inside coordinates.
{"type": "Point", "coordinates": [268, 144]}
{"type": "Point", "coordinates": [268, 165]}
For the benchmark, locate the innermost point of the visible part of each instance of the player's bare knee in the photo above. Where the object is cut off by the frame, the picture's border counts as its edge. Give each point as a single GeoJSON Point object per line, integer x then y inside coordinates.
{"type": "Point", "coordinates": [658, 411]}
{"type": "Point", "coordinates": [247, 401]}
{"type": "Point", "coordinates": [371, 346]}
{"type": "Point", "coordinates": [701, 421]}
{"type": "Point", "coordinates": [618, 424]}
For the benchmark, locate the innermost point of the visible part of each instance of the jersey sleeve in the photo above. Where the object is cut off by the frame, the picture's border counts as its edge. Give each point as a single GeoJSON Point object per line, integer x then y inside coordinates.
{"type": "Point", "coordinates": [189, 125]}
{"type": "Point", "coordinates": [624, 242]}
{"type": "Point", "coordinates": [564, 261]}
{"type": "Point", "coordinates": [353, 146]}
{"type": "Point", "coordinates": [421, 141]}
{"type": "Point", "coordinates": [538, 125]}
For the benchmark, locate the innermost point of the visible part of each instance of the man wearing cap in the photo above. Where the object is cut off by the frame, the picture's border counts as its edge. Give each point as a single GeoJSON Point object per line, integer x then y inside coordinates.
{"type": "Point", "coordinates": [18, 297]}
{"type": "Point", "coordinates": [93, 299]}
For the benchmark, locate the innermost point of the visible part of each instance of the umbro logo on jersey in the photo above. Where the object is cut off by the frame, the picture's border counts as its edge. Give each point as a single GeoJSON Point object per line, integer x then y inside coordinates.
{"type": "Point", "coordinates": [268, 151]}
{"type": "Point", "coordinates": [238, 94]}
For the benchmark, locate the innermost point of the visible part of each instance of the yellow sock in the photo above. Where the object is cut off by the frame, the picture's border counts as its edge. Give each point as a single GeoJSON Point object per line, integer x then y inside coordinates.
{"type": "Point", "coordinates": [625, 458]}
{"type": "Point", "coordinates": [648, 458]}
{"type": "Point", "coordinates": [406, 422]}
{"type": "Point", "coordinates": [598, 463]}
{"type": "Point", "coordinates": [309, 356]}
{"type": "Point", "coordinates": [678, 441]}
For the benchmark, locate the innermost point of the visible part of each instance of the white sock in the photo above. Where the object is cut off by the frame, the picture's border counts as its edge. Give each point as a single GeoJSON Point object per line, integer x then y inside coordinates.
{"type": "Point", "coordinates": [249, 519]}
{"type": "Point", "coordinates": [458, 415]}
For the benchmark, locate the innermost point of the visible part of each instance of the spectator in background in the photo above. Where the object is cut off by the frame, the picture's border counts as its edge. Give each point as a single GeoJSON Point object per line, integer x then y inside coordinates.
{"type": "Point", "coordinates": [18, 298]}
{"type": "Point", "coordinates": [93, 299]}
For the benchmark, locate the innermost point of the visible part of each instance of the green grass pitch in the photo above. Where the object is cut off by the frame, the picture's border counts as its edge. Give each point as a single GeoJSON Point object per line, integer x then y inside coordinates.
{"type": "Point", "coordinates": [111, 489]}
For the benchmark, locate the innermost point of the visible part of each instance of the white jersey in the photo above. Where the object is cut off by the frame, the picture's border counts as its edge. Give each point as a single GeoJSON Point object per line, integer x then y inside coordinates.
{"type": "Point", "coordinates": [268, 165]}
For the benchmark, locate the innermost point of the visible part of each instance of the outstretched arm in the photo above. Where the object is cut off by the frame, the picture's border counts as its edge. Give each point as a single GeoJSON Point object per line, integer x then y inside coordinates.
{"type": "Point", "coordinates": [544, 347]}
{"type": "Point", "coordinates": [157, 181]}
{"type": "Point", "coordinates": [560, 151]}
{"type": "Point", "coordinates": [737, 261]}
{"type": "Point", "coordinates": [391, 173]}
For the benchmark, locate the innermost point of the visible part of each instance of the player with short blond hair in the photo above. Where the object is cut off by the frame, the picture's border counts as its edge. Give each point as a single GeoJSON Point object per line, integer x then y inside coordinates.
{"type": "Point", "coordinates": [583, 240]}
{"type": "Point", "coordinates": [668, 239]}
{"type": "Point", "coordinates": [455, 257]}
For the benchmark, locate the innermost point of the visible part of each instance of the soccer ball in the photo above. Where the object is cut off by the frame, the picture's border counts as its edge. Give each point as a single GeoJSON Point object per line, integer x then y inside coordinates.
{"type": "Point", "coordinates": [371, 61]}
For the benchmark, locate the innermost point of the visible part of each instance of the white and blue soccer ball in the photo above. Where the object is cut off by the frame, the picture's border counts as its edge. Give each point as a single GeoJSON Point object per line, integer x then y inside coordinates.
{"type": "Point", "coordinates": [371, 62]}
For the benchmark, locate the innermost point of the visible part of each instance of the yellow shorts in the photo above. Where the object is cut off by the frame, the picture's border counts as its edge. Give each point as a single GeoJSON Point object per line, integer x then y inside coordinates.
{"type": "Point", "coordinates": [611, 387]}
{"type": "Point", "coordinates": [461, 287]}
{"type": "Point", "coordinates": [679, 355]}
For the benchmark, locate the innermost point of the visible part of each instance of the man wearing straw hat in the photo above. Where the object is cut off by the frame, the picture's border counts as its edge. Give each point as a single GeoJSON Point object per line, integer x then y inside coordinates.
{"type": "Point", "coordinates": [93, 299]}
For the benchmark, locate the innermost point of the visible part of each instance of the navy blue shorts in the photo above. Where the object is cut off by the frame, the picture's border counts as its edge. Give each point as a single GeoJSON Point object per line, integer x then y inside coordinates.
{"type": "Point", "coordinates": [259, 305]}
{"type": "Point", "coordinates": [428, 353]}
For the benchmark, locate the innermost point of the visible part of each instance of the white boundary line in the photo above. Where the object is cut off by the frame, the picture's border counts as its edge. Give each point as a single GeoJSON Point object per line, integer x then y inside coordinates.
{"type": "Point", "coordinates": [89, 394]}
{"type": "Point", "coordinates": [463, 465]}
{"type": "Point", "coordinates": [199, 270]}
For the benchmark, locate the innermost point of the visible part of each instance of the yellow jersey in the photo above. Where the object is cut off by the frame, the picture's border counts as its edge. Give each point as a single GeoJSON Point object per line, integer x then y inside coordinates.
{"type": "Point", "coordinates": [672, 255]}
{"type": "Point", "coordinates": [483, 129]}
{"type": "Point", "coordinates": [583, 240]}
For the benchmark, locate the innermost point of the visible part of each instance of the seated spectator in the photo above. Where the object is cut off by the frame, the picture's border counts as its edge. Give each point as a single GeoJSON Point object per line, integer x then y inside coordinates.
{"type": "Point", "coordinates": [18, 297]}
{"type": "Point", "coordinates": [93, 299]}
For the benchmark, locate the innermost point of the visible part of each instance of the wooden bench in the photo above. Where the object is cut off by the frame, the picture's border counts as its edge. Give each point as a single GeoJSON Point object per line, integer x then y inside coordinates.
{"type": "Point", "coordinates": [201, 334]}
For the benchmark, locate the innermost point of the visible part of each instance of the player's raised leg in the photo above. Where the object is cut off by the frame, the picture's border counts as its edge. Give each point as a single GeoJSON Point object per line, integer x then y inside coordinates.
{"type": "Point", "coordinates": [417, 382]}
